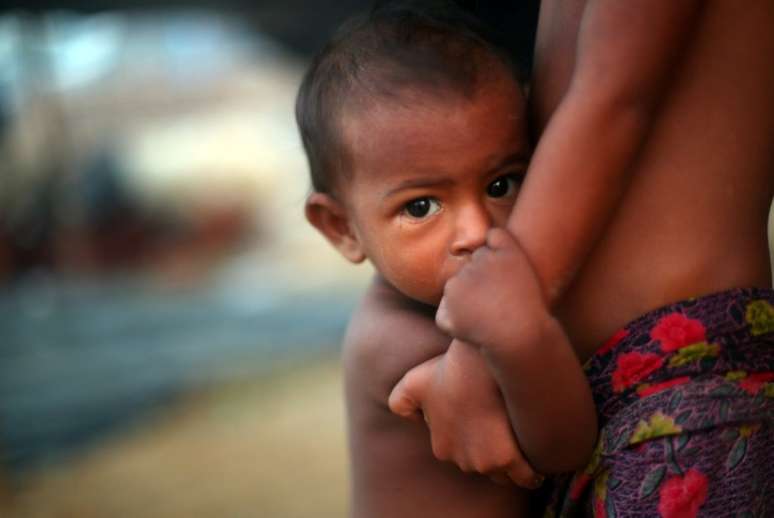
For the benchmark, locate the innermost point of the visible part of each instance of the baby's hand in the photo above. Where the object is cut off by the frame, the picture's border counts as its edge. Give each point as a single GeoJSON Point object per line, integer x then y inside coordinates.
{"type": "Point", "coordinates": [493, 299]}
{"type": "Point", "coordinates": [466, 415]}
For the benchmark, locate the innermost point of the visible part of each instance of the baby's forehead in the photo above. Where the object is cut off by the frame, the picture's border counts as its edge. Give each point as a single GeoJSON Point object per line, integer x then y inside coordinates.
{"type": "Point", "coordinates": [406, 106]}
{"type": "Point", "coordinates": [424, 131]}
{"type": "Point", "coordinates": [409, 106]}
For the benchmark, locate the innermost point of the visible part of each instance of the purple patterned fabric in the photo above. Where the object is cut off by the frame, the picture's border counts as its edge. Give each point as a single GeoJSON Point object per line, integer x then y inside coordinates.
{"type": "Point", "coordinates": [685, 397]}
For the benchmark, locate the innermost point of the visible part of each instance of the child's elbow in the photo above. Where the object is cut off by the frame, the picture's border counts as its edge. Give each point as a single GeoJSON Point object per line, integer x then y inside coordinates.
{"type": "Point", "coordinates": [558, 462]}
{"type": "Point", "coordinates": [615, 102]}
{"type": "Point", "coordinates": [579, 457]}
{"type": "Point", "coordinates": [564, 454]}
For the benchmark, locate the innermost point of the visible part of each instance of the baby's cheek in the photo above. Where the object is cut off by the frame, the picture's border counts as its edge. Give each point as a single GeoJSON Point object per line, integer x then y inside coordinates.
{"type": "Point", "coordinates": [425, 284]}
{"type": "Point", "coordinates": [428, 289]}
{"type": "Point", "coordinates": [418, 264]}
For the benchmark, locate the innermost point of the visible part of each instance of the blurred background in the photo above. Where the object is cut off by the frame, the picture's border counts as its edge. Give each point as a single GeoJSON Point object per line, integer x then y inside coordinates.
{"type": "Point", "coordinates": [169, 324]}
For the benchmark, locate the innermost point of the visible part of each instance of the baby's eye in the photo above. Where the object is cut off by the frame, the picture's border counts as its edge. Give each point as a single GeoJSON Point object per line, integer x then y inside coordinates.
{"type": "Point", "coordinates": [502, 186]}
{"type": "Point", "coordinates": [422, 207]}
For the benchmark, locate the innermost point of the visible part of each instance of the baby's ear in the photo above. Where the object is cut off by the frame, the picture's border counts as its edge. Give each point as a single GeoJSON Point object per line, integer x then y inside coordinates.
{"type": "Point", "coordinates": [330, 217]}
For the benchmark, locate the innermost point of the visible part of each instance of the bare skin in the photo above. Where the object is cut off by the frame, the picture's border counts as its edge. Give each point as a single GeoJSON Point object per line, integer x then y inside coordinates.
{"type": "Point", "coordinates": [625, 57]}
{"type": "Point", "coordinates": [449, 152]}
{"type": "Point", "coordinates": [661, 164]}
{"type": "Point", "coordinates": [429, 182]}
{"type": "Point", "coordinates": [680, 183]}
{"type": "Point", "coordinates": [394, 472]}
{"type": "Point", "coordinates": [693, 217]}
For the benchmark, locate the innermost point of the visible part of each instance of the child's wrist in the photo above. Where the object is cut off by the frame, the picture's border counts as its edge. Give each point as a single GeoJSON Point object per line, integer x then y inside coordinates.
{"type": "Point", "coordinates": [526, 337]}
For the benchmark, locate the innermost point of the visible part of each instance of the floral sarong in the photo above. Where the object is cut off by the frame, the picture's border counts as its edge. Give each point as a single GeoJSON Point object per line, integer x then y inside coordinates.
{"type": "Point", "coordinates": [685, 398]}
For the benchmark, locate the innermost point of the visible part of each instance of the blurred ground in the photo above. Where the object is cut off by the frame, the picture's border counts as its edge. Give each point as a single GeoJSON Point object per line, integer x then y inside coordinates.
{"type": "Point", "coordinates": [274, 447]}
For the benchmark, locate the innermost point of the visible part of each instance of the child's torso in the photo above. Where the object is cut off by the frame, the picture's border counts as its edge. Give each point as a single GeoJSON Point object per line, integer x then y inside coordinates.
{"type": "Point", "coordinates": [693, 220]}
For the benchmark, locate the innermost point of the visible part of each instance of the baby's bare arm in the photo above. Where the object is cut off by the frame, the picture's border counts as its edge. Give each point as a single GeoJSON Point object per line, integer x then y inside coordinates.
{"type": "Point", "coordinates": [626, 55]}
{"type": "Point", "coordinates": [393, 468]}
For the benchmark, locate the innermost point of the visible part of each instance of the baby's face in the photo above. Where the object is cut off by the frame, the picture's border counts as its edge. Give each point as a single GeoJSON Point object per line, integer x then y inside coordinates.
{"type": "Point", "coordinates": [430, 178]}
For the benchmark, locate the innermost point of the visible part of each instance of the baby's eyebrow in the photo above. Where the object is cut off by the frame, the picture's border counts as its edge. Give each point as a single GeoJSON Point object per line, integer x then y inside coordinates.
{"type": "Point", "coordinates": [416, 183]}
{"type": "Point", "coordinates": [520, 158]}
{"type": "Point", "coordinates": [420, 182]}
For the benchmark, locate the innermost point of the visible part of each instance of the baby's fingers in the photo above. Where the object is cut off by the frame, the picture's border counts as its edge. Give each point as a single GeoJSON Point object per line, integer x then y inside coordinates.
{"type": "Point", "coordinates": [403, 403]}
{"type": "Point", "coordinates": [500, 479]}
{"type": "Point", "coordinates": [499, 239]}
{"type": "Point", "coordinates": [524, 476]}
{"type": "Point", "coordinates": [406, 398]}
{"type": "Point", "coordinates": [443, 318]}
{"type": "Point", "coordinates": [448, 317]}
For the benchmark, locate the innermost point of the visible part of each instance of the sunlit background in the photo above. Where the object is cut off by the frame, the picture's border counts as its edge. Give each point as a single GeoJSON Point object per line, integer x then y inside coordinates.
{"type": "Point", "coordinates": [169, 324]}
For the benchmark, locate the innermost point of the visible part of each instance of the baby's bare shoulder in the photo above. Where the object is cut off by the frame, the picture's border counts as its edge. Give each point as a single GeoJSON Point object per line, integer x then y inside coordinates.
{"type": "Point", "coordinates": [387, 336]}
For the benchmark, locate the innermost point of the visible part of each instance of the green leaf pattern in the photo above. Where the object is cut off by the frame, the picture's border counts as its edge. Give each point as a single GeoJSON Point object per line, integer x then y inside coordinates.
{"type": "Point", "coordinates": [652, 481]}
{"type": "Point", "coordinates": [658, 425]}
{"type": "Point", "coordinates": [737, 453]}
{"type": "Point", "coordinates": [760, 316]}
{"type": "Point", "coordinates": [694, 352]}
{"type": "Point", "coordinates": [714, 427]}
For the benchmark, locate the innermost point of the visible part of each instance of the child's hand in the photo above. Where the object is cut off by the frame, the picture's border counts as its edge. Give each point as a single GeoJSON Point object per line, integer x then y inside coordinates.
{"type": "Point", "coordinates": [465, 413]}
{"type": "Point", "coordinates": [495, 297]}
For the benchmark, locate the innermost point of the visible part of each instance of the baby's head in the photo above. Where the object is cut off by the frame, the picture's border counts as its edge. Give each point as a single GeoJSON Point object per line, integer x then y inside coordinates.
{"type": "Point", "coordinates": [415, 127]}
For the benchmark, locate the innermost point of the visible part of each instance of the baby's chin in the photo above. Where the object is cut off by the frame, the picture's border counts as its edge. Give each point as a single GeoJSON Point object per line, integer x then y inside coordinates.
{"type": "Point", "coordinates": [428, 299]}
{"type": "Point", "coordinates": [426, 295]}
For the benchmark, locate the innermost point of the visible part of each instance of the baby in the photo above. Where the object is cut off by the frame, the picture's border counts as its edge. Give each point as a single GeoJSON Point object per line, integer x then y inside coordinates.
{"type": "Point", "coordinates": [415, 127]}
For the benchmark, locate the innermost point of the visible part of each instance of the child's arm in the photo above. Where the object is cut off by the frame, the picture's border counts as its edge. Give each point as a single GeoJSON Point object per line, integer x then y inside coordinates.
{"type": "Point", "coordinates": [465, 413]}
{"type": "Point", "coordinates": [580, 169]}
{"type": "Point", "coordinates": [394, 471]}
{"type": "Point", "coordinates": [626, 53]}
{"type": "Point", "coordinates": [495, 302]}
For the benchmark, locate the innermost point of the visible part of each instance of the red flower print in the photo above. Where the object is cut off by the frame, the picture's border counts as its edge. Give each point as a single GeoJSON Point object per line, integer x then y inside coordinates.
{"type": "Point", "coordinates": [599, 508]}
{"type": "Point", "coordinates": [753, 382]}
{"type": "Point", "coordinates": [658, 387]}
{"type": "Point", "coordinates": [675, 331]}
{"type": "Point", "coordinates": [579, 485]}
{"type": "Point", "coordinates": [634, 367]}
{"type": "Point", "coordinates": [613, 341]}
{"type": "Point", "coordinates": [681, 497]}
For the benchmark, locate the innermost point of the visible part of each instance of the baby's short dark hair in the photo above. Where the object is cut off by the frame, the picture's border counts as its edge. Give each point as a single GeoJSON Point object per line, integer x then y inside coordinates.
{"type": "Point", "coordinates": [403, 45]}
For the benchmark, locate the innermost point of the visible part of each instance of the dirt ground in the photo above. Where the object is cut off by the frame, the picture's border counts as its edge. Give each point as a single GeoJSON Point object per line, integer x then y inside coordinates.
{"type": "Point", "coordinates": [273, 448]}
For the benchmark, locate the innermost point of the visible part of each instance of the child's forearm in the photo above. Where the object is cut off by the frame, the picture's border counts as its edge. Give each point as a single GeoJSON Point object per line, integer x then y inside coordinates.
{"type": "Point", "coordinates": [584, 176]}
{"type": "Point", "coordinates": [394, 472]}
{"type": "Point", "coordinates": [495, 302]}
{"type": "Point", "coordinates": [625, 55]}
{"type": "Point", "coordinates": [547, 395]}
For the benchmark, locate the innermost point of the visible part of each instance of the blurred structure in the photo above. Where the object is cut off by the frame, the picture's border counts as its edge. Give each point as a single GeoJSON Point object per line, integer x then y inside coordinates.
{"type": "Point", "coordinates": [131, 140]}
{"type": "Point", "coordinates": [133, 137]}
{"type": "Point", "coordinates": [151, 232]}
{"type": "Point", "coordinates": [153, 251]}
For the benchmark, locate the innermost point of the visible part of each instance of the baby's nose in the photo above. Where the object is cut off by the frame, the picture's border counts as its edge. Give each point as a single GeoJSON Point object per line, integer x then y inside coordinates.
{"type": "Point", "coordinates": [472, 224]}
